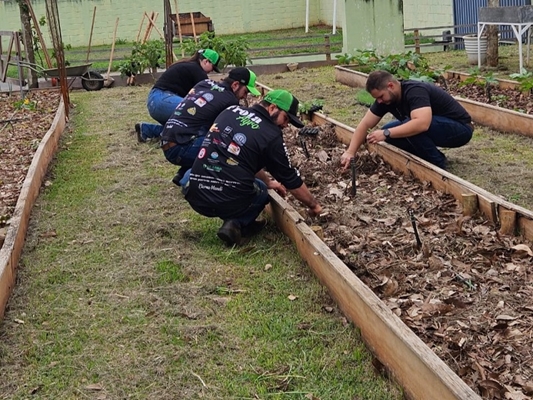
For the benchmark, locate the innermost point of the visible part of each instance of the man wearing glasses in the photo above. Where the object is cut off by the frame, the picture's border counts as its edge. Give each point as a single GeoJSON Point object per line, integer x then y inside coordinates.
{"type": "Point", "coordinates": [185, 130]}
{"type": "Point", "coordinates": [229, 178]}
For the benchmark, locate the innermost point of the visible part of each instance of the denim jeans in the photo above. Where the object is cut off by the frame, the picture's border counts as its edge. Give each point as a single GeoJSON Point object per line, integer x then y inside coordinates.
{"type": "Point", "coordinates": [161, 105]}
{"type": "Point", "coordinates": [442, 132]}
{"type": "Point", "coordinates": [185, 154]}
{"type": "Point", "coordinates": [243, 217]}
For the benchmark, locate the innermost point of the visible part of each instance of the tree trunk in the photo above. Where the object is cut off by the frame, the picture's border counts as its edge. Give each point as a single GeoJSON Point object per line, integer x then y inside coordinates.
{"type": "Point", "coordinates": [27, 38]}
{"type": "Point", "coordinates": [492, 39]}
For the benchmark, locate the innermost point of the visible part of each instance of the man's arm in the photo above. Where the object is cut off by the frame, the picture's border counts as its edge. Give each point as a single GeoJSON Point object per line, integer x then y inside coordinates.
{"type": "Point", "coordinates": [420, 120]}
{"type": "Point", "coordinates": [304, 195]}
{"type": "Point", "coordinates": [369, 121]}
{"type": "Point", "coordinates": [271, 183]}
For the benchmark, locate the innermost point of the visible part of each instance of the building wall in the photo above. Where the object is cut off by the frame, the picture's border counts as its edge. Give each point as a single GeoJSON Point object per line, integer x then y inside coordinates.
{"type": "Point", "coordinates": [228, 16]}
{"type": "Point", "coordinates": [428, 13]}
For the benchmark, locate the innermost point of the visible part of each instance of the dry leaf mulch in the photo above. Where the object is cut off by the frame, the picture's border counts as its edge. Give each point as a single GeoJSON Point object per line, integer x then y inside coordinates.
{"type": "Point", "coordinates": [23, 123]}
{"type": "Point", "coordinates": [466, 291]}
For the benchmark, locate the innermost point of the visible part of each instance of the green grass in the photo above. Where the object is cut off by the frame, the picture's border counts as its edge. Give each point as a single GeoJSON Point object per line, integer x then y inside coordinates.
{"type": "Point", "coordinates": [137, 296]}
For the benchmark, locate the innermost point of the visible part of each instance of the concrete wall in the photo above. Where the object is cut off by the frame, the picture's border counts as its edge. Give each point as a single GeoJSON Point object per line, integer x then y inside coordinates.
{"type": "Point", "coordinates": [228, 16]}
{"type": "Point", "coordinates": [427, 13]}
{"type": "Point", "coordinates": [373, 24]}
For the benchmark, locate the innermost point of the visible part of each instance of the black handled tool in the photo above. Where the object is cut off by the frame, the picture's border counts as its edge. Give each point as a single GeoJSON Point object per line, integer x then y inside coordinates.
{"type": "Point", "coordinates": [352, 167]}
{"type": "Point", "coordinates": [415, 229]}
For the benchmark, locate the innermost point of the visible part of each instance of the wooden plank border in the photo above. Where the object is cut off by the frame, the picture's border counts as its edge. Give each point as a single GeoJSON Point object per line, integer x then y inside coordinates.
{"type": "Point", "coordinates": [16, 234]}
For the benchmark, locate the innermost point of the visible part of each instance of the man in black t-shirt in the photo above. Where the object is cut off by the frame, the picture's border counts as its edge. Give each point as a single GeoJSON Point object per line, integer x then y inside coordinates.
{"type": "Point", "coordinates": [185, 130]}
{"type": "Point", "coordinates": [426, 118]}
{"type": "Point", "coordinates": [229, 179]}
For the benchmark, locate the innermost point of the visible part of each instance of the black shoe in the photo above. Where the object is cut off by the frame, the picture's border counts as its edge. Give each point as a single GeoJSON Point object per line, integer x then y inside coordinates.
{"type": "Point", "coordinates": [178, 177]}
{"type": "Point", "coordinates": [254, 228]}
{"type": "Point", "coordinates": [140, 138]}
{"type": "Point", "coordinates": [230, 232]}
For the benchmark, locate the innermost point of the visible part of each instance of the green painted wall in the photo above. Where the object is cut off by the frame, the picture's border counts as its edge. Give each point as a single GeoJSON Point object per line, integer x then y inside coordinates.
{"type": "Point", "coordinates": [373, 24]}
{"type": "Point", "coordinates": [233, 16]}
{"type": "Point", "coordinates": [428, 13]}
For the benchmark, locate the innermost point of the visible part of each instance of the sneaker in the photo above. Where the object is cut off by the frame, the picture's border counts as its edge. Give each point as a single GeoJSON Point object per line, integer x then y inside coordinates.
{"type": "Point", "coordinates": [140, 138]}
{"type": "Point", "coordinates": [254, 228]}
{"type": "Point", "coordinates": [230, 232]}
{"type": "Point", "coordinates": [179, 176]}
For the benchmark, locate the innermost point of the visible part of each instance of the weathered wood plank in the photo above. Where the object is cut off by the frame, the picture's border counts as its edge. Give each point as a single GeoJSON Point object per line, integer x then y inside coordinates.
{"type": "Point", "coordinates": [16, 234]}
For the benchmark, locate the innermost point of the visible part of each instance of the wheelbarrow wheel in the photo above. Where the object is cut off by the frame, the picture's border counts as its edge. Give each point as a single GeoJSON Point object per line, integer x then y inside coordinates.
{"type": "Point", "coordinates": [92, 81]}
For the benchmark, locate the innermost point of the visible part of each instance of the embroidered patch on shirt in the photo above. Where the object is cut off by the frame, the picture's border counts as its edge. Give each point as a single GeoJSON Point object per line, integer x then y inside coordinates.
{"type": "Point", "coordinates": [200, 102]}
{"type": "Point", "coordinates": [239, 138]}
{"type": "Point", "coordinates": [192, 110]}
{"type": "Point", "coordinates": [234, 149]}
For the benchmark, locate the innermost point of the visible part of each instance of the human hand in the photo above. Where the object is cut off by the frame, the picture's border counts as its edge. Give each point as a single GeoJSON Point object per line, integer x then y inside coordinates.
{"type": "Point", "coordinates": [376, 136]}
{"type": "Point", "coordinates": [345, 159]}
{"type": "Point", "coordinates": [314, 211]}
{"type": "Point", "coordinates": [278, 187]}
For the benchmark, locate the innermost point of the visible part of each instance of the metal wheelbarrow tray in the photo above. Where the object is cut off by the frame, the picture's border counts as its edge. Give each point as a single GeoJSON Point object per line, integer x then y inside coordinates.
{"type": "Point", "coordinates": [90, 80]}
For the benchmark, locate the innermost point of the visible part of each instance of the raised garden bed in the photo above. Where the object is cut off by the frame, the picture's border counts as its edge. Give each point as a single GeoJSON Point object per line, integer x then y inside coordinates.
{"type": "Point", "coordinates": [493, 116]}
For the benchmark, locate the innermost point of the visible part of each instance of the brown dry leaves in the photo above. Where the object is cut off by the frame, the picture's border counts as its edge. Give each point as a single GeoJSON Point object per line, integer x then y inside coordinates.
{"type": "Point", "coordinates": [466, 291]}
{"type": "Point", "coordinates": [21, 129]}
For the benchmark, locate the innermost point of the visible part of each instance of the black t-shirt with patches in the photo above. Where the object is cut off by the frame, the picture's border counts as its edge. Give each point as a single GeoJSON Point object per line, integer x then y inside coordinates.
{"type": "Point", "coordinates": [198, 110]}
{"type": "Point", "coordinates": [241, 142]}
{"type": "Point", "coordinates": [423, 94]}
{"type": "Point", "coordinates": [179, 78]}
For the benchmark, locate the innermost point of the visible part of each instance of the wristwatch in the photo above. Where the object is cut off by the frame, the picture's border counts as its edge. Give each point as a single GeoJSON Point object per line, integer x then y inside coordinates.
{"type": "Point", "coordinates": [386, 133]}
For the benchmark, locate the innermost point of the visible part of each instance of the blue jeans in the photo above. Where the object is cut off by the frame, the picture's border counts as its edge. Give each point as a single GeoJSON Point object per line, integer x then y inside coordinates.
{"type": "Point", "coordinates": [161, 105]}
{"type": "Point", "coordinates": [243, 217]}
{"type": "Point", "coordinates": [185, 154]}
{"type": "Point", "coordinates": [443, 132]}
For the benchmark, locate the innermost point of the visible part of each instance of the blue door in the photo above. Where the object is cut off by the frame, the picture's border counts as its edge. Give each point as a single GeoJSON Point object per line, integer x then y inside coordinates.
{"type": "Point", "coordinates": [465, 14]}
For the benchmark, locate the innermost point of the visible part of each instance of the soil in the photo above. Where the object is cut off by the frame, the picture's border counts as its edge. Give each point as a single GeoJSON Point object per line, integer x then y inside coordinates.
{"type": "Point", "coordinates": [23, 123]}
{"type": "Point", "coordinates": [465, 290]}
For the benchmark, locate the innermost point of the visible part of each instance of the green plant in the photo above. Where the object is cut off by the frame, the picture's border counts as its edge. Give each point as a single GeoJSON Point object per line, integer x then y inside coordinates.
{"type": "Point", "coordinates": [26, 104]}
{"type": "Point", "coordinates": [525, 79]}
{"type": "Point", "coordinates": [232, 52]}
{"type": "Point", "coordinates": [306, 106]}
{"type": "Point", "coordinates": [143, 55]}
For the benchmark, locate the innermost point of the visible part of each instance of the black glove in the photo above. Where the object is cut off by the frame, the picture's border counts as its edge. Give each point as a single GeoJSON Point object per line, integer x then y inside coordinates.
{"type": "Point", "coordinates": [309, 131]}
{"type": "Point", "coordinates": [315, 108]}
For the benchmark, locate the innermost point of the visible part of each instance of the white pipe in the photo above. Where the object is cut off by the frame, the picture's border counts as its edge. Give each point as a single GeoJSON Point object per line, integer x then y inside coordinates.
{"type": "Point", "coordinates": [306, 16]}
{"type": "Point", "coordinates": [334, 17]}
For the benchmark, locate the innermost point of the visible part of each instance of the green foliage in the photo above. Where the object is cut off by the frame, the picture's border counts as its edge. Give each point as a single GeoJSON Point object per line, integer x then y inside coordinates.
{"type": "Point", "coordinates": [232, 52]}
{"type": "Point", "coordinates": [409, 38]}
{"type": "Point", "coordinates": [364, 98]}
{"type": "Point", "coordinates": [306, 106]}
{"type": "Point", "coordinates": [26, 104]}
{"type": "Point", "coordinates": [408, 65]}
{"type": "Point", "coordinates": [525, 79]}
{"type": "Point", "coordinates": [150, 55]}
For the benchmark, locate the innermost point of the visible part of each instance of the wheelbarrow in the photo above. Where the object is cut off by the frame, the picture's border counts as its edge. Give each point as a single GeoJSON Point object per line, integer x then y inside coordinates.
{"type": "Point", "coordinates": [90, 80]}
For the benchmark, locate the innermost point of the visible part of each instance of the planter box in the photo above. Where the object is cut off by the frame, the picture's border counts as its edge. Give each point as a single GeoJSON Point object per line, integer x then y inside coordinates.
{"type": "Point", "coordinates": [201, 23]}
{"type": "Point", "coordinates": [494, 117]}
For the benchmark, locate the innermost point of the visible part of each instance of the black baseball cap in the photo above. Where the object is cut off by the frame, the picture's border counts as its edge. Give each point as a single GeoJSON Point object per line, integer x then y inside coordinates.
{"type": "Point", "coordinates": [246, 77]}
{"type": "Point", "coordinates": [286, 102]}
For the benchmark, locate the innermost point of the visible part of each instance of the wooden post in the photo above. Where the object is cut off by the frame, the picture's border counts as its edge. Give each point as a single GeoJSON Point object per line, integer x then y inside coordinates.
{"type": "Point", "coordinates": [507, 221]}
{"type": "Point", "coordinates": [39, 34]}
{"type": "Point", "coordinates": [140, 27]}
{"type": "Point", "coordinates": [417, 41]}
{"type": "Point", "coordinates": [179, 27]}
{"type": "Point", "coordinates": [193, 28]}
{"type": "Point", "coordinates": [91, 35]}
{"type": "Point", "coordinates": [328, 48]}
{"type": "Point", "coordinates": [470, 204]}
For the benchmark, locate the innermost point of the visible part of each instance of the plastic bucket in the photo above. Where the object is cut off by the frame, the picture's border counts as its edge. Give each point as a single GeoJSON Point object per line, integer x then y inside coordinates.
{"type": "Point", "coordinates": [470, 42]}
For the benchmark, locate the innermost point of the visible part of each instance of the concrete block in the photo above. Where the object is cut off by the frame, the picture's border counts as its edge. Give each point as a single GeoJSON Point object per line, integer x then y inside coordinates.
{"type": "Point", "coordinates": [506, 15]}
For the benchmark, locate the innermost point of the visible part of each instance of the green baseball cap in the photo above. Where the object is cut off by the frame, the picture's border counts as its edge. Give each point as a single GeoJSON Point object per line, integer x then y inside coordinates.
{"type": "Point", "coordinates": [246, 77]}
{"type": "Point", "coordinates": [212, 56]}
{"type": "Point", "coordinates": [286, 102]}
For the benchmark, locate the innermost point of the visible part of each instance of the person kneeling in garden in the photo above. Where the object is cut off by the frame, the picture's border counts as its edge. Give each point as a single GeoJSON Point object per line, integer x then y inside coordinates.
{"type": "Point", "coordinates": [427, 117]}
{"type": "Point", "coordinates": [171, 87]}
{"type": "Point", "coordinates": [185, 130]}
{"type": "Point", "coordinates": [229, 178]}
